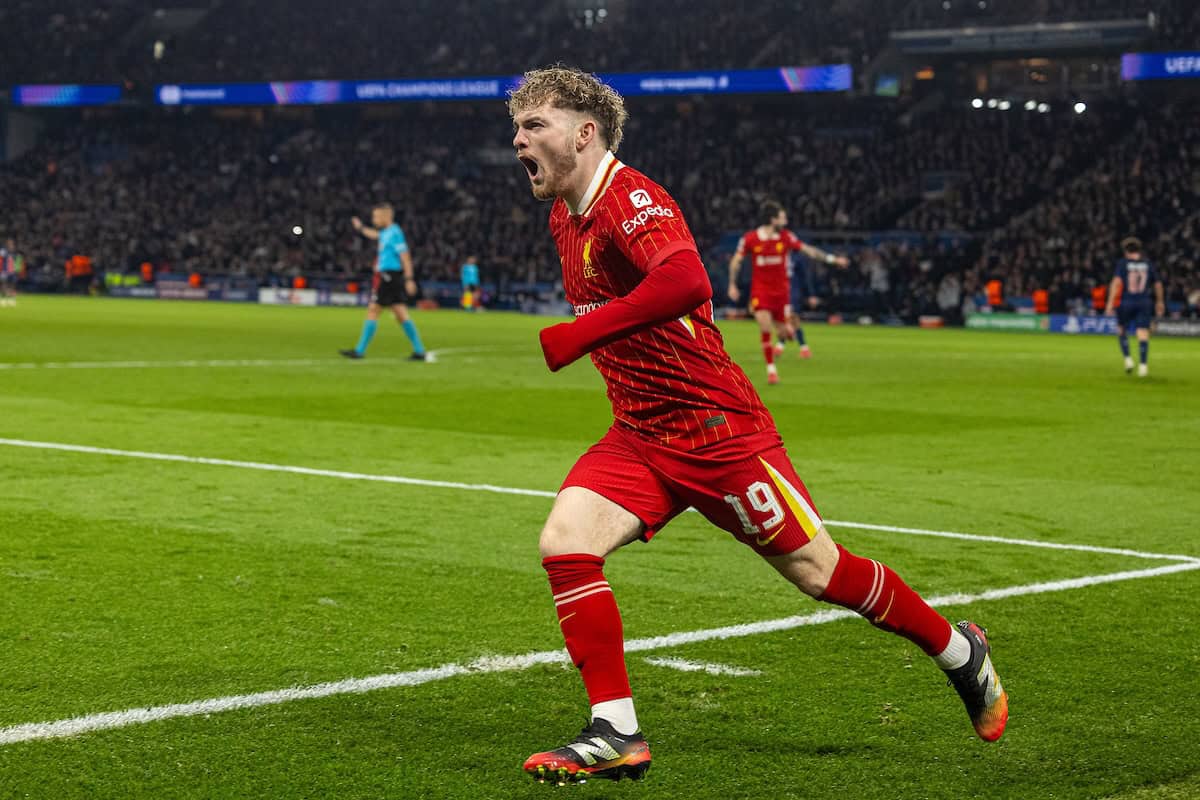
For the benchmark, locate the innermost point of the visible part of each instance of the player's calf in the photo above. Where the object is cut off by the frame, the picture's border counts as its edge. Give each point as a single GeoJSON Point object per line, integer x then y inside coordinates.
{"type": "Point", "coordinates": [875, 591]}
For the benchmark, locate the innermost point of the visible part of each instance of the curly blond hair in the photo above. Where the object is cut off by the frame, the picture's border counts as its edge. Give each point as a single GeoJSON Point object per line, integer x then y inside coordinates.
{"type": "Point", "coordinates": [574, 89]}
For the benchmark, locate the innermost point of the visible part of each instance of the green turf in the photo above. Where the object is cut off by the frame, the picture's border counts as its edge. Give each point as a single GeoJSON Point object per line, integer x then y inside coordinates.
{"type": "Point", "coordinates": [128, 583]}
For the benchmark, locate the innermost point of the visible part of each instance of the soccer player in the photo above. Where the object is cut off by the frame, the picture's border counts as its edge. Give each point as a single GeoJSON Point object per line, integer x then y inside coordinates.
{"type": "Point", "coordinates": [470, 284]}
{"type": "Point", "coordinates": [10, 271]}
{"type": "Point", "coordinates": [1132, 281]}
{"type": "Point", "coordinates": [394, 284]}
{"type": "Point", "coordinates": [804, 293]}
{"type": "Point", "coordinates": [689, 429]}
{"type": "Point", "coordinates": [769, 246]}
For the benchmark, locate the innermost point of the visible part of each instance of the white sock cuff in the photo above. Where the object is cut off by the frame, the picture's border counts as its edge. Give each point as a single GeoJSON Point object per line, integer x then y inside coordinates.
{"type": "Point", "coordinates": [619, 713]}
{"type": "Point", "coordinates": [957, 653]}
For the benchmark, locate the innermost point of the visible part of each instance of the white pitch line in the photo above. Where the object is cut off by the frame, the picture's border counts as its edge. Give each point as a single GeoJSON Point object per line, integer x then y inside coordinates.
{"type": "Point", "coordinates": [486, 487]}
{"type": "Point", "coordinates": [242, 362]}
{"type": "Point", "coordinates": [75, 726]}
{"type": "Point", "coordinates": [322, 473]}
{"type": "Point", "coordinates": [225, 362]}
{"type": "Point", "coordinates": [683, 665]}
{"type": "Point", "coordinates": [973, 537]}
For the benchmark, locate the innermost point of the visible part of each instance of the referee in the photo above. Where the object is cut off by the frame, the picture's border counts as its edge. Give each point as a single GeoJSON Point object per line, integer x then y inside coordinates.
{"type": "Point", "coordinates": [394, 284]}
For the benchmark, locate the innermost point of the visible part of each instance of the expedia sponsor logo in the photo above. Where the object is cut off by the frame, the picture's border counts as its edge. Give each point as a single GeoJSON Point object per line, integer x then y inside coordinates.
{"type": "Point", "coordinates": [587, 308]}
{"type": "Point", "coordinates": [630, 225]}
{"type": "Point", "coordinates": [640, 198]}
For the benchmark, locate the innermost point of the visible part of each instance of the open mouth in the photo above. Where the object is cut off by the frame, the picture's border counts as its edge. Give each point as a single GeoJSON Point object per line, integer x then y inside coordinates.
{"type": "Point", "coordinates": [530, 165]}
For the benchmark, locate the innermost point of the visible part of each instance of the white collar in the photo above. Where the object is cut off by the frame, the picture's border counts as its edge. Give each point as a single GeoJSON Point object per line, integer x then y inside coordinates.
{"type": "Point", "coordinates": [605, 171]}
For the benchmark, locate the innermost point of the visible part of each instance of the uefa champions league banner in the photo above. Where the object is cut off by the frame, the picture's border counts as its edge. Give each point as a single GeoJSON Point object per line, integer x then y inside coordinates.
{"type": "Point", "coordinates": [1070, 323]}
{"type": "Point", "coordinates": [827, 78]}
{"type": "Point", "coordinates": [1158, 66]}
{"type": "Point", "coordinates": [1073, 324]}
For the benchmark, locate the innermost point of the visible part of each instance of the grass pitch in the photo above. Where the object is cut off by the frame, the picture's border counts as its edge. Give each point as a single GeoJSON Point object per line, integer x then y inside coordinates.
{"type": "Point", "coordinates": [130, 583]}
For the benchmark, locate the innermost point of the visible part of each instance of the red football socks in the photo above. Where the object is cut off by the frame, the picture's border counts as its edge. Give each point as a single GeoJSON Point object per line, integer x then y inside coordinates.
{"type": "Point", "coordinates": [591, 623]}
{"type": "Point", "coordinates": [879, 594]}
{"type": "Point", "coordinates": [768, 348]}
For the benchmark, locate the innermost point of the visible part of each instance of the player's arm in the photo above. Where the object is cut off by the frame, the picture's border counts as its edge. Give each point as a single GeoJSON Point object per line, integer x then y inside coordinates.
{"type": "Point", "coordinates": [410, 280]}
{"type": "Point", "coordinates": [735, 266]}
{"type": "Point", "coordinates": [669, 291]}
{"type": "Point", "coordinates": [365, 230]}
{"type": "Point", "coordinates": [1160, 305]}
{"type": "Point", "coordinates": [823, 255]}
{"type": "Point", "coordinates": [1114, 287]}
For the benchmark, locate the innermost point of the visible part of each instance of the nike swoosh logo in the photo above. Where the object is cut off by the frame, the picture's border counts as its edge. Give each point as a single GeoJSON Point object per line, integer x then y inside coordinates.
{"type": "Point", "coordinates": [567, 617]}
{"type": "Point", "coordinates": [881, 617]}
{"type": "Point", "coordinates": [764, 542]}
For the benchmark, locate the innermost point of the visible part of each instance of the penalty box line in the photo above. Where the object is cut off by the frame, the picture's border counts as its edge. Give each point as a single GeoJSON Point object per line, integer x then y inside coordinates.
{"type": "Point", "coordinates": [485, 487]}
{"type": "Point", "coordinates": [91, 723]}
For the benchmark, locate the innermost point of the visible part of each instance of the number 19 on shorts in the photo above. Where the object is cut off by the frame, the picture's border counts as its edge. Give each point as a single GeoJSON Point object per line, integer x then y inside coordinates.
{"type": "Point", "coordinates": [762, 498]}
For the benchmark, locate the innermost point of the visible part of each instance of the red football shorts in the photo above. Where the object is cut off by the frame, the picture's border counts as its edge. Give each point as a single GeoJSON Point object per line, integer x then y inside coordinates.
{"type": "Point", "coordinates": [745, 485]}
{"type": "Point", "coordinates": [778, 303]}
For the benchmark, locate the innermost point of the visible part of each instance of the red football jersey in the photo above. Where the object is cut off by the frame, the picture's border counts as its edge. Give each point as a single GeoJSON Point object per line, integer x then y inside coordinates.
{"type": "Point", "coordinates": [674, 382]}
{"type": "Point", "coordinates": [768, 260]}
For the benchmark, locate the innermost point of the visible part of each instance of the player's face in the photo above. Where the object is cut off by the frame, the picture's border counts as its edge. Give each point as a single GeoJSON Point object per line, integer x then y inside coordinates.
{"type": "Point", "coordinates": [545, 144]}
{"type": "Point", "coordinates": [780, 221]}
{"type": "Point", "coordinates": [381, 217]}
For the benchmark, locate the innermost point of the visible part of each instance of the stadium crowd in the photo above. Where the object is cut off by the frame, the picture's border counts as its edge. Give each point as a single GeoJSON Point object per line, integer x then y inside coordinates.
{"type": "Point", "coordinates": [1041, 199]}
{"type": "Point", "coordinates": [126, 41]}
{"type": "Point", "coordinates": [1148, 183]}
{"type": "Point", "coordinates": [72, 40]}
{"type": "Point", "coordinates": [63, 41]}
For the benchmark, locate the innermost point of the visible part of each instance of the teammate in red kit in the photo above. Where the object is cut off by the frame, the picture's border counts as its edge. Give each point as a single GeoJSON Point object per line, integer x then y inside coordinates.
{"type": "Point", "coordinates": [689, 429]}
{"type": "Point", "coordinates": [769, 246]}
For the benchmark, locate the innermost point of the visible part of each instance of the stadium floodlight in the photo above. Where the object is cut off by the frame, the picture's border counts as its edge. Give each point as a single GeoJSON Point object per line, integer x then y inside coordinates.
{"type": "Point", "coordinates": [977, 102]}
{"type": "Point", "coordinates": [297, 230]}
{"type": "Point", "coordinates": [1030, 105]}
{"type": "Point", "coordinates": [1005, 105]}
{"type": "Point", "coordinates": [993, 102]}
{"type": "Point", "coordinates": [1043, 108]}
{"type": "Point", "coordinates": [1080, 108]}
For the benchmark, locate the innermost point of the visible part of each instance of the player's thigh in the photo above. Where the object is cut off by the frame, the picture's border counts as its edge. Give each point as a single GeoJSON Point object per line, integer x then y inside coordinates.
{"type": "Point", "coordinates": [748, 487]}
{"type": "Point", "coordinates": [1143, 334]}
{"type": "Point", "coordinates": [763, 317]}
{"type": "Point", "coordinates": [373, 310]}
{"type": "Point", "coordinates": [584, 521]}
{"type": "Point", "coordinates": [765, 505]}
{"type": "Point", "coordinates": [608, 499]}
{"type": "Point", "coordinates": [400, 311]}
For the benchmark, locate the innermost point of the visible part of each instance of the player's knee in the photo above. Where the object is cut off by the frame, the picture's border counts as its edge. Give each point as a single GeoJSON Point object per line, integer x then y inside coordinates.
{"type": "Point", "coordinates": [811, 567]}
{"type": "Point", "coordinates": [559, 538]}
